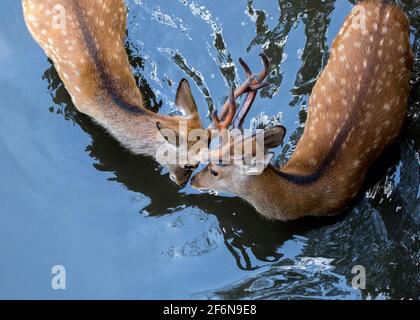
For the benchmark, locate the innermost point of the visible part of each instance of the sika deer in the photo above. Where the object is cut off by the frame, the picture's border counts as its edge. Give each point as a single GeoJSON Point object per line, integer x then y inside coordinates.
{"type": "Point", "coordinates": [357, 108]}
{"type": "Point", "coordinates": [85, 40]}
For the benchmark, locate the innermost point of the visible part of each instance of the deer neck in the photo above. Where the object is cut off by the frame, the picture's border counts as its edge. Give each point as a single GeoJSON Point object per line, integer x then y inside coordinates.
{"type": "Point", "coordinates": [356, 109]}
{"type": "Point", "coordinates": [135, 129]}
{"type": "Point", "coordinates": [111, 97]}
{"type": "Point", "coordinates": [278, 196]}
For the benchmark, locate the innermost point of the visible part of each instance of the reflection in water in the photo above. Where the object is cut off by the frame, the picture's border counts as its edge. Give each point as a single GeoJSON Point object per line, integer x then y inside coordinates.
{"type": "Point", "coordinates": [315, 16]}
{"type": "Point", "coordinates": [180, 61]}
{"type": "Point", "coordinates": [306, 258]}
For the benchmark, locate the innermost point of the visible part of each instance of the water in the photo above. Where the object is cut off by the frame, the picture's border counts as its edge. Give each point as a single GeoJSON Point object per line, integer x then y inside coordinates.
{"type": "Point", "coordinates": [71, 196]}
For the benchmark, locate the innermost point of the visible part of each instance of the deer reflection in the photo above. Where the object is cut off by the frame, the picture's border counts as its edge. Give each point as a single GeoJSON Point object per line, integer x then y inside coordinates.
{"type": "Point", "coordinates": [316, 17]}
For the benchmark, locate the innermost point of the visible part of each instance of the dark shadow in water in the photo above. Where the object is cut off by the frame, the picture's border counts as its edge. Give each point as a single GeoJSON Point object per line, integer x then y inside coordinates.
{"type": "Point", "coordinates": [316, 17]}
{"type": "Point", "coordinates": [370, 233]}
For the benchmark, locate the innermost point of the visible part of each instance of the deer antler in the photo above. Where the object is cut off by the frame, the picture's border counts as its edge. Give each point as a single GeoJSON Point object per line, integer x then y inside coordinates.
{"type": "Point", "coordinates": [257, 84]}
{"type": "Point", "coordinates": [228, 118]}
{"type": "Point", "coordinates": [250, 86]}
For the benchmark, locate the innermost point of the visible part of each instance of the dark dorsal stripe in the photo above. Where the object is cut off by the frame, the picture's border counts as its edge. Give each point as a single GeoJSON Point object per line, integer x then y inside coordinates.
{"type": "Point", "coordinates": [106, 83]}
{"type": "Point", "coordinates": [354, 118]}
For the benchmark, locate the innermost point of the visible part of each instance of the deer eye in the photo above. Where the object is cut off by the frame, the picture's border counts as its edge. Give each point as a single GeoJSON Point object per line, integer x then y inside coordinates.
{"type": "Point", "coordinates": [214, 173]}
{"type": "Point", "coordinates": [189, 167]}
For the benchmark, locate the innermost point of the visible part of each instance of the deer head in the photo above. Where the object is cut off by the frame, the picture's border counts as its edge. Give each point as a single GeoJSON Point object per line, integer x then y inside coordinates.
{"type": "Point", "coordinates": [239, 160]}
{"type": "Point", "coordinates": [177, 129]}
{"type": "Point", "coordinates": [238, 157]}
{"type": "Point", "coordinates": [191, 138]}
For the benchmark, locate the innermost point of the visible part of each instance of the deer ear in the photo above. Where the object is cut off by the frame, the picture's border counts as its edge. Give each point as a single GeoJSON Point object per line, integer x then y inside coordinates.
{"type": "Point", "coordinates": [170, 135]}
{"type": "Point", "coordinates": [185, 100]}
{"type": "Point", "coordinates": [273, 137]}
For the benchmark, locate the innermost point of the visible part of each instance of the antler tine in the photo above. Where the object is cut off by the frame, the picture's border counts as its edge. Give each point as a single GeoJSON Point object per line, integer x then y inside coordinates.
{"type": "Point", "coordinates": [266, 62]}
{"type": "Point", "coordinates": [252, 94]}
{"type": "Point", "coordinates": [246, 68]}
{"type": "Point", "coordinates": [251, 85]}
{"type": "Point", "coordinates": [231, 111]}
{"type": "Point", "coordinates": [244, 110]}
{"type": "Point", "coordinates": [258, 80]}
{"type": "Point", "coordinates": [239, 91]}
